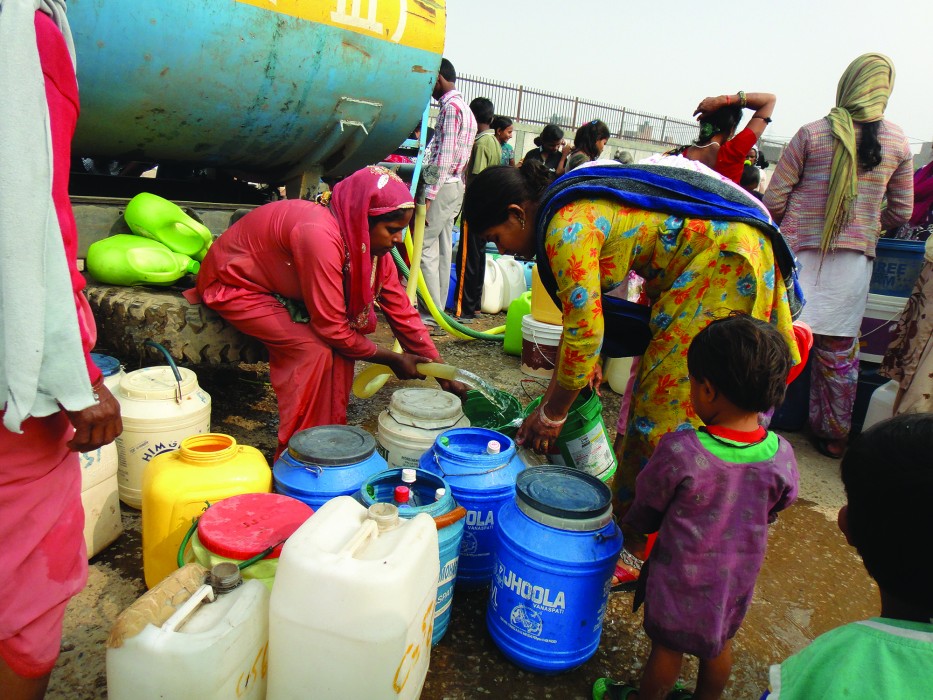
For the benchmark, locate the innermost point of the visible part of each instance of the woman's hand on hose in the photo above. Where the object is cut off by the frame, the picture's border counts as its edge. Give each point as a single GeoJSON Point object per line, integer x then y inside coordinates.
{"type": "Point", "coordinates": [538, 433]}
{"type": "Point", "coordinates": [405, 365]}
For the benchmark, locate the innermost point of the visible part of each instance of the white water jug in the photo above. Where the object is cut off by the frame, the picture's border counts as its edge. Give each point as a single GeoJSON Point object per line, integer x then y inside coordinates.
{"type": "Point", "coordinates": [352, 608]}
{"type": "Point", "coordinates": [881, 404]}
{"type": "Point", "coordinates": [491, 301]}
{"type": "Point", "coordinates": [513, 279]}
{"type": "Point", "coordinates": [209, 652]}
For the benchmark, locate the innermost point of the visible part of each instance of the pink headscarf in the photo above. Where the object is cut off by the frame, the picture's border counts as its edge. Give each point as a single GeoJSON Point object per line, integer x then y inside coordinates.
{"type": "Point", "coordinates": [368, 192]}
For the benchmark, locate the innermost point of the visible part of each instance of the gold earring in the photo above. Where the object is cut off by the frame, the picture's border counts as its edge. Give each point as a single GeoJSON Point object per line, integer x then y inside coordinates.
{"type": "Point", "coordinates": [521, 221]}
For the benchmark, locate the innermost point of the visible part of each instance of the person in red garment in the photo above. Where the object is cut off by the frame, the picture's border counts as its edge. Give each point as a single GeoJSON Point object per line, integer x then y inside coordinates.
{"type": "Point", "coordinates": [719, 117]}
{"type": "Point", "coordinates": [54, 403]}
{"type": "Point", "coordinates": [304, 279]}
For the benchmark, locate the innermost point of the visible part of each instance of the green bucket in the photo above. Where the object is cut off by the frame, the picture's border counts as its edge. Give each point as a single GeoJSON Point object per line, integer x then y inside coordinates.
{"type": "Point", "coordinates": [583, 442]}
{"type": "Point", "coordinates": [483, 414]}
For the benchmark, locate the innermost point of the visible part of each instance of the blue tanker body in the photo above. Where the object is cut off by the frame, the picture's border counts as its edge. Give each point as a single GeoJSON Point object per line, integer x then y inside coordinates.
{"type": "Point", "coordinates": [297, 86]}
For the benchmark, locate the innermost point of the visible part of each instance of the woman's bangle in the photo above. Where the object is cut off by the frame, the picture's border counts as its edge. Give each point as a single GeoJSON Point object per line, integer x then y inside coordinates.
{"type": "Point", "coordinates": [95, 388]}
{"type": "Point", "coordinates": [742, 101]}
{"type": "Point", "coordinates": [549, 422]}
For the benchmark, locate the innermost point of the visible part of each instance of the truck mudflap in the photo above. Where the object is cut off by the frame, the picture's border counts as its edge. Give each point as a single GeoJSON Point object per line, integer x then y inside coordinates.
{"type": "Point", "coordinates": [192, 333]}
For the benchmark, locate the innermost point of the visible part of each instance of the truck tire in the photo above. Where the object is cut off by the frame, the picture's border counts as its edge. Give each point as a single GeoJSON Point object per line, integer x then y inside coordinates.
{"type": "Point", "coordinates": [192, 333]}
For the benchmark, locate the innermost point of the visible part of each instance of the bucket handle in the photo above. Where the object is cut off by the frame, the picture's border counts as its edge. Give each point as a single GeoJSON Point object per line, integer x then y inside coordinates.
{"type": "Point", "coordinates": [534, 339]}
{"type": "Point", "coordinates": [187, 610]}
{"type": "Point", "coordinates": [880, 326]}
{"type": "Point", "coordinates": [171, 363]}
{"type": "Point", "coordinates": [488, 471]}
{"type": "Point", "coordinates": [315, 469]}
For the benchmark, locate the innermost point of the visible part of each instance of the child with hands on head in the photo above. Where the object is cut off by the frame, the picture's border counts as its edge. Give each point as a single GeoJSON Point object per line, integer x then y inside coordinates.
{"type": "Point", "coordinates": [710, 493]}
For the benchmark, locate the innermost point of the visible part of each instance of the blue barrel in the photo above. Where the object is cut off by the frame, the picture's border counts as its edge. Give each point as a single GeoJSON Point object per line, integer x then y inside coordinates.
{"type": "Point", "coordinates": [379, 489]}
{"type": "Point", "coordinates": [896, 267]}
{"type": "Point", "coordinates": [555, 552]}
{"type": "Point", "coordinates": [481, 483]}
{"type": "Point", "coordinates": [325, 462]}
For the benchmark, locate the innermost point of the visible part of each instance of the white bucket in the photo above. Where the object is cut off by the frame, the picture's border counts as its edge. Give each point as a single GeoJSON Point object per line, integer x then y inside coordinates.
{"type": "Point", "coordinates": [539, 347]}
{"type": "Point", "coordinates": [207, 651]}
{"type": "Point", "coordinates": [513, 279]}
{"type": "Point", "coordinates": [878, 325]}
{"type": "Point", "coordinates": [413, 420]}
{"type": "Point", "coordinates": [352, 606]}
{"type": "Point", "coordinates": [881, 404]}
{"type": "Point", "coordinates": [102, 523]}
{"type": "Point", "coordinates": [491, 301]}
{"type": "Point", "coordinates": [155, 422]}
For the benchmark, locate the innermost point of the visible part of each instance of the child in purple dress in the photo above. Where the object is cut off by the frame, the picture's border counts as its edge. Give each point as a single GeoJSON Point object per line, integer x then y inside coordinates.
{"type": "Point", "coordinates": [710, 494]}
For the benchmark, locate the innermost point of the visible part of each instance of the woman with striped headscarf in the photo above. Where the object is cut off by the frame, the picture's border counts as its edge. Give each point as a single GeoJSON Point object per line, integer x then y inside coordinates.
{"type": "Point", "coordinates": [826, 194]}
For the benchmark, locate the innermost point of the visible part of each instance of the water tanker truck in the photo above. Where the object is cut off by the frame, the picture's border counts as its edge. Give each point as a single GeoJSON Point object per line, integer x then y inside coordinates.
{"type": "Point", "coordinates": [267, 91]}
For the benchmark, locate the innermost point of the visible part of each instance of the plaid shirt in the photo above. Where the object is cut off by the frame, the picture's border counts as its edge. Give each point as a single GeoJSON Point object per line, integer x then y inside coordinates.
{"type": "Point", "coordinates": [798, 190]}
{"type": "Point", "coordinates": [450, 148]}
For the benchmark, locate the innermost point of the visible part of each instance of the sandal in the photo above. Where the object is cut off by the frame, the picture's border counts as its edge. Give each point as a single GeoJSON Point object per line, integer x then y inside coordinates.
{"type": "Point", "coordinates": [627, 572]}
{"type": "Point", "coordinates": [822, 446]}
{"type": "Point", "coordinates": [608, 689]}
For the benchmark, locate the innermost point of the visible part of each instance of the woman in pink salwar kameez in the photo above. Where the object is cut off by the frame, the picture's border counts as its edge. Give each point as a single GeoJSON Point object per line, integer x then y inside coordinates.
{"type": "Point", "coordinates": [330, 261]}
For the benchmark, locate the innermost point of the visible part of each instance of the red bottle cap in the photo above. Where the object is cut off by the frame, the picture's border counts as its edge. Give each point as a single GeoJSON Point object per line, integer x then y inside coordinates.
{"type": "Point", "coordinates": [402, 494]}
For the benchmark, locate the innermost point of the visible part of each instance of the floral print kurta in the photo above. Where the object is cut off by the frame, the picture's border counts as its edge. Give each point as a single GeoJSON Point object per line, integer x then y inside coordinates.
{"type": "Point", "coordinates": [695, 270]}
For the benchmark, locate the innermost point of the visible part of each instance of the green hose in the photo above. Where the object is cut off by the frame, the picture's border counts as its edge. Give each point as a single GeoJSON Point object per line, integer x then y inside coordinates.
{"type": "Point", "coordinates": [466, 330]}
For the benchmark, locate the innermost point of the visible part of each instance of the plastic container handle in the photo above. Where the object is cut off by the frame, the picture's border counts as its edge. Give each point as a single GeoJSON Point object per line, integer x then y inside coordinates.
{"type": "Point", "coordinates": [187, 610]}
{"type": "Point", "coordinates": [369, 530]}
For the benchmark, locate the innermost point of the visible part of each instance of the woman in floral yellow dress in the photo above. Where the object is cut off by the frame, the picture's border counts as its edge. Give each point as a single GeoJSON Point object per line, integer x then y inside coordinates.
{"type": "Point", "coordinates": [702, 245]}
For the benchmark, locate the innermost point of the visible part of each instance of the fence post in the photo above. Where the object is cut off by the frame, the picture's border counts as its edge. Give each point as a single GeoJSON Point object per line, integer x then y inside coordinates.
{"type": "Point", "coordinates": [573, 119]}
{"type": "Point", "coordinates": [622, 124]}
{"type": "Point", "coordinates": [518, 108]}
{"type": "Point", "coordinates": [663, 130]}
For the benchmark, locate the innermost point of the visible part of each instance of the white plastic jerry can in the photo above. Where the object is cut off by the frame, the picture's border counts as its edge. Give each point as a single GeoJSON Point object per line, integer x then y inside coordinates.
{"type": "Point", "coordinates": [352, 607]}
{"type": "Point", "coordinates": [212, 646]}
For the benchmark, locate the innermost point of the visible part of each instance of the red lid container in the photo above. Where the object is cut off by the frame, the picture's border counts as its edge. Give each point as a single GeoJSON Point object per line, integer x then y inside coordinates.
{"type": "Point", "coordinates": [242, 526]}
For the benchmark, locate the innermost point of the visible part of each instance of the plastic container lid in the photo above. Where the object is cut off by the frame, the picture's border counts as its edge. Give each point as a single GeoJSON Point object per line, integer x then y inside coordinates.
{"type": "Point", "coordinates": [332, 445]}
{"type": "Point", "coordinates": [564, 498]}
{"type": "Point", "coordinates": [157, 383]}
{"type": "Point", "coordinates": [107, 364]}
{"type": "Point", "coordinates": [440, 493]}
{"type": "Point", "coordinates": [409, 476]}
{"type": "Point", "coordinates": [425, 408]}
{"type": "Point", "coordinates": [242, 526]}
{"type": "Point", "coordinates": [493, 447]}
{"type": "Point", "coordinates": [402, 494]}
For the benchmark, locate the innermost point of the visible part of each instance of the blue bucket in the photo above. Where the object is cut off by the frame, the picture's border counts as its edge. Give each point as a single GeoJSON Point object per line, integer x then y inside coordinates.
{"type": "Point", "coordinates": [481, 483]}
{"type": "Point", "coordinates": [325, 462]}
{"type": "Point", "coordinates": [380, 489]}
{"type": "Point", "coordinates": [897, 266]}
{"type": "Point", "coordinates": [555, 552]}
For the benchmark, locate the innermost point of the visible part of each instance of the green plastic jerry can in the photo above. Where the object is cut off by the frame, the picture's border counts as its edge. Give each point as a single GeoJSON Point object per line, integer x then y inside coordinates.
{"type": "Point", "coordinates": [132, 260]}
{"type": "Point", "coordinates": [161, 220]}
{"type": "Point", "coordinates": [518, 309]}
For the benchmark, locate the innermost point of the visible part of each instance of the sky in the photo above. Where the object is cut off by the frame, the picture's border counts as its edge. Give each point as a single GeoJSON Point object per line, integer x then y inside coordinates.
{"type": "Point", "coordinates": [664, 56]}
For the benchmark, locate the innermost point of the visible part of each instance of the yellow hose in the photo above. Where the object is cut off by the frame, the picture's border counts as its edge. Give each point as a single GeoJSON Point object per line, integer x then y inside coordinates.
{"type": "Point", "coordinates": [371, 379]}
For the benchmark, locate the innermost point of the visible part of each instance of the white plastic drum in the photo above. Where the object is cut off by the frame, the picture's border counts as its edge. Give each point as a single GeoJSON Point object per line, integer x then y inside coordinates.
{"type": "Point", "coordinates": [158, 413]}
{"type": "Point", "coordinates": [414, 418]}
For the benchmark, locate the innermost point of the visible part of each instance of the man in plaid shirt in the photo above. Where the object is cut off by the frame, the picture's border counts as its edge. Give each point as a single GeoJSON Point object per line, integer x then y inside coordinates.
{"type": "Point", "coordinates": [447, 155]}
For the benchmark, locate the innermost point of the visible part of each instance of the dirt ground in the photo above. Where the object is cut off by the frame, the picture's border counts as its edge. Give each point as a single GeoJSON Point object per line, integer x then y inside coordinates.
{"type": "Point", "coordinates": [811, 580]}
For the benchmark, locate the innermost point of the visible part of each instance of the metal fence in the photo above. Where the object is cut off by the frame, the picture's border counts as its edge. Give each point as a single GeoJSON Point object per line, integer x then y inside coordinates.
{"type": "Point", "coordinates": [533, 106]}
